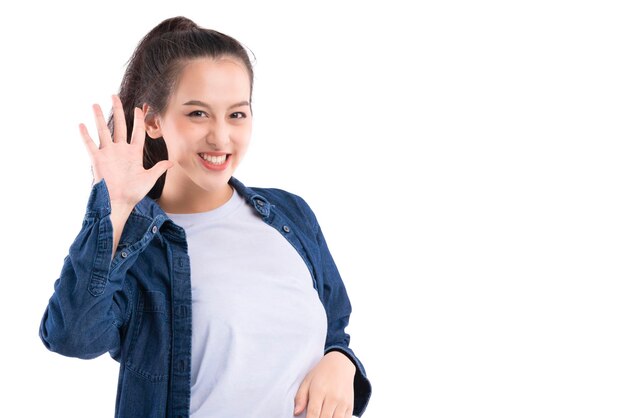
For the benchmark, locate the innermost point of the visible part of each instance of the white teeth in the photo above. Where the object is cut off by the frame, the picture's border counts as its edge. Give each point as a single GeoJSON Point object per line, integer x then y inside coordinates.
{"type": "Point", "coordinates": [212, 159]}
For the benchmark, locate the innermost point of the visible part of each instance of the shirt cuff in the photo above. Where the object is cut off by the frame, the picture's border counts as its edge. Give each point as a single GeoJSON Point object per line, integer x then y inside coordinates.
{"type": "Point", "coordinates": [362, 385]}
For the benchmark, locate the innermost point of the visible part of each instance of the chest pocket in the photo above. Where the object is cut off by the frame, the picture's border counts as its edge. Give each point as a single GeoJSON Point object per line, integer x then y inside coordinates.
{"type": "Point", "coordinates": [149, 349]}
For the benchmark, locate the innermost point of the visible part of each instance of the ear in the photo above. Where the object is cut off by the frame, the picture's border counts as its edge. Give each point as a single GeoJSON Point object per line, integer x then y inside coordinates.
{"type": "Point", "coordinates": [152, 122]}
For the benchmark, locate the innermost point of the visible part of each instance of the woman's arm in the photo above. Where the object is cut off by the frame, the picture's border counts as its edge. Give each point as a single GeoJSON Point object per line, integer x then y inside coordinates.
{"type": "Point", "coordinates": [338, 310]}
{"type": "Point", "coordinates": [88, 305]}
{"type": "Point", "coordinates": [339, 366]}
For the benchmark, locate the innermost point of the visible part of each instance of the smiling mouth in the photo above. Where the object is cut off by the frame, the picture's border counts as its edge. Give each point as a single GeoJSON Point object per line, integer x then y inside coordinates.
{"type": "Point", "coordinates": [214, 159]}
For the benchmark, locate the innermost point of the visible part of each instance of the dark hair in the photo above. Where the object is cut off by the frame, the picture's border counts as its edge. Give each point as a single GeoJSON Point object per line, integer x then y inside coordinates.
{"type": "Point", "coordinates": [154, 69]}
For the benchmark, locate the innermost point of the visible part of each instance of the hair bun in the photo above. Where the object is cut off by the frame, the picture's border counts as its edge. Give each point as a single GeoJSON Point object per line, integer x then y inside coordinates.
{"type": "Point", "coordinates": [173, 24]}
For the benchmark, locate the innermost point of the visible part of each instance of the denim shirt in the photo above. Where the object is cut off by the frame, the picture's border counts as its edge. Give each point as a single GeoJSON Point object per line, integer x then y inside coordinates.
{"type": "Point", "coordinates": [137, 305]}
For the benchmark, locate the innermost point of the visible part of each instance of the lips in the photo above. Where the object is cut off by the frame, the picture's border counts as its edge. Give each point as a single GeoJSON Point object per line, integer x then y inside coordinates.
{"type": "Point", "coordinates": [214, 161]}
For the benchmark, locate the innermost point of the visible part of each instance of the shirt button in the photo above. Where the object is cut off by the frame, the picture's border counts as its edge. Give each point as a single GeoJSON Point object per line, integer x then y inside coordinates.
{"type": "Point", "coordinates": [124, 254]}
{"type": "Point", "coordinates": [154, 229]}
{"type": "Point", "coordinates": [286, 228]}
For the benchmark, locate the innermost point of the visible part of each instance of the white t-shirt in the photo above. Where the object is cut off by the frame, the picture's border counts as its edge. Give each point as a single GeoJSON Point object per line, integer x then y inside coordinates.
{"type": "Point", "coordinates": [258, 325]}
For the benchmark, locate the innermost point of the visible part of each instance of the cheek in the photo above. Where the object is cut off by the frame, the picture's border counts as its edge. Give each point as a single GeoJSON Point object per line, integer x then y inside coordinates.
{"type": "Point", "coordinates": [183, 129]}
{"type": "Point", "coordinates": [179, 136]}
{"type": "Point", "coordinates": [242, 137]}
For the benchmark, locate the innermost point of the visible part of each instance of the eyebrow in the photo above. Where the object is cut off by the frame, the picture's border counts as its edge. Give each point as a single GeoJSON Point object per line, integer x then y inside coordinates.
{"type": "Point", "coordinates": [201, 103]}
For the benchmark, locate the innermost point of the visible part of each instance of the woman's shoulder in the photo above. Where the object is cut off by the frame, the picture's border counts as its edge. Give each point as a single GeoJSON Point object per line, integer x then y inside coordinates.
{"type": "Point", "coordinates": [279, 196]}
{"type": "Point", "coordinates": [273, 194]}
{"type": "Point", "coordinates": [291, 203]}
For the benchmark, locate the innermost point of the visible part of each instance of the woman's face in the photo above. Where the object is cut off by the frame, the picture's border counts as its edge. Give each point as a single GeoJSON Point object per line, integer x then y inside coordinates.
{"type": "Point", "coordinates": [206, 126]}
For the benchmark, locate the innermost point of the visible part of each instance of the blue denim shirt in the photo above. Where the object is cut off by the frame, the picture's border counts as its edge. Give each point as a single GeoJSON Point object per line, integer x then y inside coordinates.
{"type": "Point", "coordinates": [137, 306]}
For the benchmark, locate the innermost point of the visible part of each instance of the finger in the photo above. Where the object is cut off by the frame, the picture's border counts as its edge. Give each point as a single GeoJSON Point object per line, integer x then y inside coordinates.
{"type": "Point", "coordinates": [341, 412]}
{"type": "Point", "coordinates": [139, 128]}
{"type": "Point", "coordinates": [92, 149]}
{"type": "Point", "coordinates": [329, 410]}
{"type": "Point", "coordinates": [348, 413]}
{"type": "Point", "coordinates": [159, 168]}
{"type": "Point", "coordinates": [314, 408]}
{"type": "Point", "coordinates": [91, 146]}
{"type": "Point", "coordinates": [119, 122]}
{"type": "Point", "coordinates": [103, 130]}
{"type": "Point", "coordinates": [302, 397]}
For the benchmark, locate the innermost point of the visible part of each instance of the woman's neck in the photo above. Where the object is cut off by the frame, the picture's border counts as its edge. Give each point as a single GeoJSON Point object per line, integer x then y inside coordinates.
{"type": "Point", "coordinates": [186, 200]}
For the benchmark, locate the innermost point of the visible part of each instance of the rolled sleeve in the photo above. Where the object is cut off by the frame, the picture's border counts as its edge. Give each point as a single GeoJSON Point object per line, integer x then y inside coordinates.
{"type": "Point", "coordinates": [84, 314]}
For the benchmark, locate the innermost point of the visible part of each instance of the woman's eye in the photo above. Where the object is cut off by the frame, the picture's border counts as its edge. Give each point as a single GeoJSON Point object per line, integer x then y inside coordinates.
{"type": "Point", "coordinates": [197, 114]}
{"type": "Point", "coordinates": [238, 115]}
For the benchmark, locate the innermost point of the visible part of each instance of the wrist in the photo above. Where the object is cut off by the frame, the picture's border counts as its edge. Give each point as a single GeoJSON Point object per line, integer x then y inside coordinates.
{"type": "Point", "coordinates": [342, 357]}
{"type": "Point", "coordinates": [121, 208]}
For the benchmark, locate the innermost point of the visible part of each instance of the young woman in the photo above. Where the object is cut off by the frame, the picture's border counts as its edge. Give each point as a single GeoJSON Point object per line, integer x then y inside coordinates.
{"type": "Point", "coordinates": [217, 299]}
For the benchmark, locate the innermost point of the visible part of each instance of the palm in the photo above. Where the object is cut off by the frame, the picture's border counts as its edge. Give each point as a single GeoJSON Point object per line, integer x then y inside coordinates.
{"type": "Point", "coordinates": [119, 163]}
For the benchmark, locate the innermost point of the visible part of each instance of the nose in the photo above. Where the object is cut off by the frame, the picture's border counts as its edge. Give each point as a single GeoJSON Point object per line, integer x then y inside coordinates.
{"type": "Point", "coordinates": [218, 135]}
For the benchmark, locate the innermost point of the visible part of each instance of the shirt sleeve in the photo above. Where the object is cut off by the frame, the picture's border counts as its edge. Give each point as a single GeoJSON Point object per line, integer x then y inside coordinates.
{"type": "Point", "coordinates": [89, 305]}
{"type": "Point", "coordinates": [338, 310]}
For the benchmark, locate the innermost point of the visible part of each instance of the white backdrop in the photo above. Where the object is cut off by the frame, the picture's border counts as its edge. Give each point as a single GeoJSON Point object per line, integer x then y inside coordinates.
{"type": "Point", "coordinates": [465, 160]}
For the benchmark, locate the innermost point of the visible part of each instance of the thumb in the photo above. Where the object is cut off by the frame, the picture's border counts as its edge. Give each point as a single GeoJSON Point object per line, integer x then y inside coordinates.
{"type": "Point", "coordinates": [159, 168]}
{"type": "Point", "coordinates": [302, 397]}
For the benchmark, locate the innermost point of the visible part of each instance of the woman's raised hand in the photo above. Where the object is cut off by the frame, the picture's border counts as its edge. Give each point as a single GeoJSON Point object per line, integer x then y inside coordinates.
{"type": "Point", "coordinates": [119, 163]}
